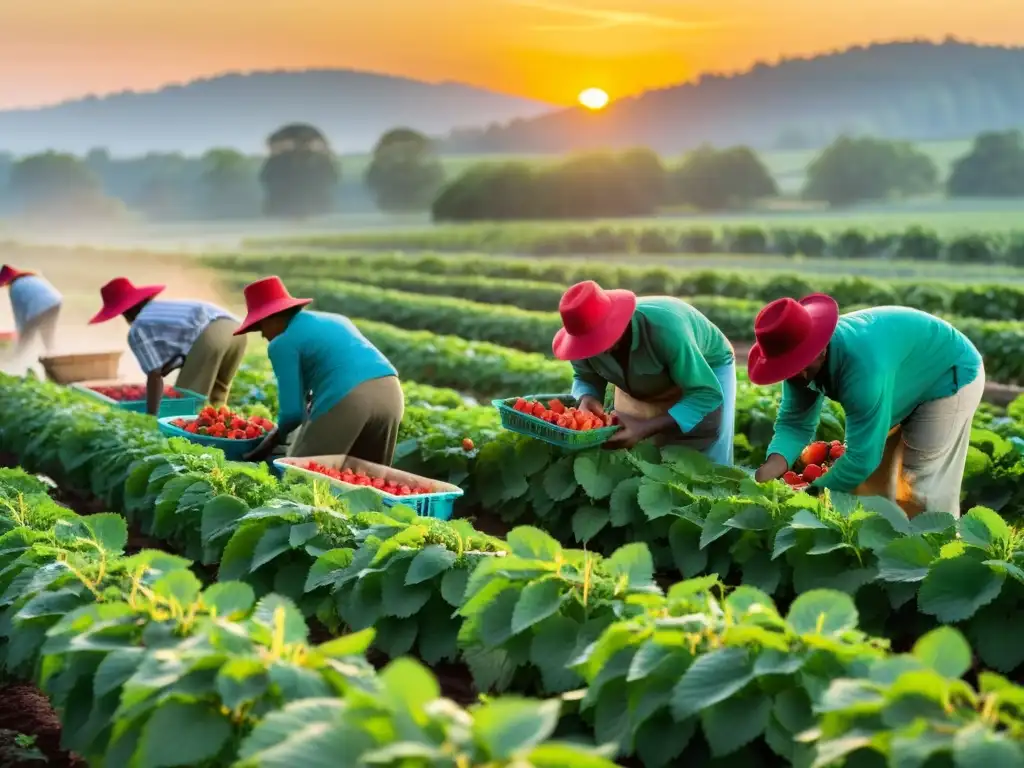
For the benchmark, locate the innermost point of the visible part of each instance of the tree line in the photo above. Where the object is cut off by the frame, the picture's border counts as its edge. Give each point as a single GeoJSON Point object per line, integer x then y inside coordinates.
{"type": "Point", "coordinates": [300, 177]}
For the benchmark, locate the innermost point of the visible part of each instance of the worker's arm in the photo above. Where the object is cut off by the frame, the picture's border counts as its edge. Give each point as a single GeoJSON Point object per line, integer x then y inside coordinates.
{"type": "Point", "coordinates": [868, 407]}
{"type": "Point", "coordinates": [147, 351]}
{"type": "Point", "coordinates": [795, 426]}
{"type": "Point", "coordinates": [587, 384]}
{"type": "Point", "coordinates": [154, 392]}
{"type": "Point", "coordinates": [686, 366]}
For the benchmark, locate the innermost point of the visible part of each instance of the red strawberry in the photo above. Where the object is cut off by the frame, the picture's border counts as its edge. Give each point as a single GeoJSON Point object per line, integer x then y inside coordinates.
{"type": "Point", "coordinates": [467, 445]}
{"type": "Point", "coordinates": [836, 450]}
{"type": "Point", "coordinates": [812, 472]}
{"type": "Point", "coordinates": [791, 478]}
{"type": "Point", "coordinates": [815, 453]}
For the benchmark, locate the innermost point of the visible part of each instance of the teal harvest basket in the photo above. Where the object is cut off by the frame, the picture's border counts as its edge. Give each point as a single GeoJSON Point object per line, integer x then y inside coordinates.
{"type": "Point", "coordinates": [531, 426]}
{"type": "Point", "coordinates": [439, 504]}
{"type": "Point", "coordinates": [233, 449]}
{"type": "Point", "coordinates": [190, 403]}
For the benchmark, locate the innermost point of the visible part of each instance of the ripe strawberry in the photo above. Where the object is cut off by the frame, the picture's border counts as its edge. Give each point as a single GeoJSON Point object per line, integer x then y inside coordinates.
{"type": "Point", "coordinates": [467, 445]}
{"type": "Point", "coordinates": [791, 478]}
{"type": "Point", "coordinates": [836, 450]}
{"type": "Point", "coordinates": [815, 453]}
{"type": "Point", "coordinates": [812, 472]}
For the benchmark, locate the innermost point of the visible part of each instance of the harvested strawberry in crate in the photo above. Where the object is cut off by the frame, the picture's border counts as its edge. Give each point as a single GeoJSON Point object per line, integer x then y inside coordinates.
{"type": "Point", "coordinates": [224, 423]}
{"type": "Point", "coordinates": [557, 413]}
{"type": "Point", "coordinates": [355, 477]}
{"type": "Point", "coordinates": [815, 460]}
{"type": "Point", "coordinates": [131, 392]}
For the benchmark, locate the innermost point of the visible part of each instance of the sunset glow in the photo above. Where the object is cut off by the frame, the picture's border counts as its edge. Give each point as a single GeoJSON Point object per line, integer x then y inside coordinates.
{"type": "Point", "coordinates": [594, 98]}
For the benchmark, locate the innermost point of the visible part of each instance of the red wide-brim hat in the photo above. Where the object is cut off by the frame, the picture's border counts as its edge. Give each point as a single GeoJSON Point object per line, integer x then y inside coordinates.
{"type": "Point", "coordinates": [119, 295]}
{"type": "Point", "coordinates": [9, 274]}
{"type": "Point", "coordinates": [790, 335]}
{"type": "Point", "coordinates": [265, 298]}
{"type": "Point", "coordinates": [593, 319]}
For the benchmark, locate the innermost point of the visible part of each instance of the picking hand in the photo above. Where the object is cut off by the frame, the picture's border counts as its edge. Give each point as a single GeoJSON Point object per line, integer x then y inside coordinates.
{"type": "Point", "coordinates": [590, 404]}
{"type": "Point", "coordinates": [631, 431]}
{"type": "Point", "coordinates": [774, 467]}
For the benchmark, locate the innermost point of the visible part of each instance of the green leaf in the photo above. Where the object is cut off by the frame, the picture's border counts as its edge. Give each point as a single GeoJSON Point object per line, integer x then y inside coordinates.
{"type": "Point", "coordinates": [506, 726]}
{"type": "Point", "coordinates": [955, 589]}
{"type": "Point", "coordinates": [595, 472]}
{"type": "Point", "coordinates": [587, 522]}
{"type": "Point", "coordinates": [354, 644]}
{"type": "Point", "coordinates": [804, 519]}
{"type": "Point", "coordinates": [429, 562]}
{"type": "Point", "coordinates": [874, 533]}
{"type": "Point", "coordinates": [231, 600]}
{"type": "Point", "coordinates": [110, 530]}
{"type": "Point", "coordinates": [735, 722]}
{"type": "Point", "coordinates": [220, 512]}
{"type": "Point", "coordinates": [555, 755]}
{"type": "Point", "coordinates": [538, 600]}
{"type": "Point", "coordinates": [933, 522]}
{"type": "Point", "coordinates": [889, 511]}
{"type": "Point", "coordinates": [982, 527]}
{"type": "Point", "coordinates": [712, 678]}
{"type": "Point", "coordinates": [655, 499]}
{"type": "Point", "coordinates": [946, 651]}
{"type": "Point", "coordinates": [753, 518]}
{"type": "Point", "coordinates": [634, 562]}
{"type": "Point", "coordinates": [453, 586]}
{"type": "Point", "coordinates": [785, 540]}
{"type": "Point", "coordinates": [183, 733]}
{"type": "Point", "coordinates": [273, 543]}
{"type": "Point", "coordinates": [716, 523]}
{"type": "Point", "coordinates": [182, 587]}
{"type": "Point", "coordinates": [906, 559]}
{"type": "Point", "coordinates": [975, 746]}
{"type": "Point", "coordinates": [623, 506]}
{"type": "Point", "coordinates": [276, 612]}
{"type": "Point", "coordinates": [409, 682]}
{"type": "Point", "coordinates": [533, 543]}
{"type": "Point", "coordinates": [684, 540]}
{"type": "Point", "coordinates": [305, 733]}
{"type": "Point", "coordinates": [822, 612]}
{"type": "Point", "coordinates": [241, 681]}
{"type": "Point", "coordinates": [559, 480]}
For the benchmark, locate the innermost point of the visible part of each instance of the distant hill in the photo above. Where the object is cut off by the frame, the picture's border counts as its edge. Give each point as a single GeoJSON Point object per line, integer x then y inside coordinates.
{"type": "Point", "coordinates": [911, 90]}
{"type": "Point", "coordinates": [351, 108]}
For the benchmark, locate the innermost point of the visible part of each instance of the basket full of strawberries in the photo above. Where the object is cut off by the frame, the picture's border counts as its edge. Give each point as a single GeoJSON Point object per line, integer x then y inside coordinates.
{"type": "Point", "coordinates": [556, 420]}
{"type": "Point", "coordinates": [233, 433]}
{"type": "Point", "coordinates": [815, 460]}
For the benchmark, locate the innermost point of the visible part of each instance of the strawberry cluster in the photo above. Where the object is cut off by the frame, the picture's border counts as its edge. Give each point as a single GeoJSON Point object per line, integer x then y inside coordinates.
{"type": "Point", "coordinates": [555, 412]}
{"type": "Point", "coordinates": [131, 392]}
{"type": "Point", "coordinates": [225, 424]}
{"type": "Point", "coordinates": [361, 478]}
{"type": "Point", "coordinates": [816, 459]}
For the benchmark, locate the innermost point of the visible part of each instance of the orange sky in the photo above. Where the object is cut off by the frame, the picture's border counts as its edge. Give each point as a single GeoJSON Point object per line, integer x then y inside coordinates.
{"type": "Point", "coordinates": [547, 49]}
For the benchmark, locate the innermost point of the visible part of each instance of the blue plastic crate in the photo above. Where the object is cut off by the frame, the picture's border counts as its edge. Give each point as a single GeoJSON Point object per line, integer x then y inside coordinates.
{"type": "Point", "coordinates": [233, 449]}
{"type": "Point", "coordinates": [191, 403]}
{"type": "Point", "coordinates": [440, 504]}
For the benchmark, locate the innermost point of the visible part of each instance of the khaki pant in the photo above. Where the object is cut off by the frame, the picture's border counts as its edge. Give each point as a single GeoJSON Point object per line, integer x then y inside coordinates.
{"type": "Point", "coordinates": [213, 361]}
{"type": "Point", "coordinates": [43, 326]}
{"type": "Point", "coordinates": [364, 424]}
{"type": "Point", "coordinates": [922, 468]}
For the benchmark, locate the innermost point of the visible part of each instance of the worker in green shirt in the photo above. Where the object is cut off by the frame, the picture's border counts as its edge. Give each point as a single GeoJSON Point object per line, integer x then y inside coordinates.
{"type": "Point", "coordinates": [886, 366]}
{"type": "Point", "coordinates": [673, 370]}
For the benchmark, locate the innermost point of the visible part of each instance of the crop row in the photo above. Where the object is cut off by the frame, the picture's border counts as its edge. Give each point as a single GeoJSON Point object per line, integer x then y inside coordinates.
{"type": "Point", "coordinates": [1001, 343]}
{"type": "Point", "coordinates": [914, 243]}
{"type": "Point", "coordinates": [537, 284]}
{"type": "Point", "coordinates": [682, 675]}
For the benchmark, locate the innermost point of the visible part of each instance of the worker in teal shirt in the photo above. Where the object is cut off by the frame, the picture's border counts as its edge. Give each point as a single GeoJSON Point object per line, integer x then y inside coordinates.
{"type": "Point", "coordinates": [331, 381]}
{"type": "Point", "coordinates": [886, 366]}
{"type": "Point", "coordinates": [673, 370]}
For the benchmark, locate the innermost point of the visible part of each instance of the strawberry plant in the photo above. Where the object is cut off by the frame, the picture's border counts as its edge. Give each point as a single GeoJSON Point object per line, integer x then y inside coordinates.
{"type": "Point", "coordinates": [527, 613]}
{"type": "Point", "coordinates": [406, 722]}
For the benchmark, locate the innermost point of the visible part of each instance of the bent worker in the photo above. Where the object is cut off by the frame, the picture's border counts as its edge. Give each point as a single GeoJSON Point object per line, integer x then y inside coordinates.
{"type": "Point", "coordinates": [357, 401]}
{"type": "Point", "coordinates": [195, 336]}
{"type": "Point", "coordinates": [673, 370]}
{"type": "Point", "coordinates": [886, 366]}
{"type": "Point", "coordinates": [36, 307]}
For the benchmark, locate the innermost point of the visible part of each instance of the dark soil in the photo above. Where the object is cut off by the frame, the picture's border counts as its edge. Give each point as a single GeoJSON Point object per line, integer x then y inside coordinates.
{"type": "Point", "coordinates": [25, 710]}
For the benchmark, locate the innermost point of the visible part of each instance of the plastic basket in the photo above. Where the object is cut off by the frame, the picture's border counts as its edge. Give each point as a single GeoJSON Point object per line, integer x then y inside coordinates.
{"type": "Point", "coordinates": [439, 504]}
{"type": "Point", "coordinates": [233, 449]}
{"type": "Point", "coordinates": [531, 426]}
{"type": "Point", "coordinates": [67, 369]}
{"type": "Point", "coordinates": [190, 403]}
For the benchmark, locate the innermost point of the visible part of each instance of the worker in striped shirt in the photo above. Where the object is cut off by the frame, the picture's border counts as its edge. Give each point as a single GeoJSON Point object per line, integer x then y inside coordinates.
{"type": "Point", "coordinates": [164, 336]}
{"type": "Point", "coordinates": [36, 306]}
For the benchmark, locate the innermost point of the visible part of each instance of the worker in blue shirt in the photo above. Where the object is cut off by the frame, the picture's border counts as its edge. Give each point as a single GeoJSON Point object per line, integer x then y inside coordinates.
{"type": "Point", "coordinates": [36, 306]}
{"type": "Point", "coordinates": [356, 402]}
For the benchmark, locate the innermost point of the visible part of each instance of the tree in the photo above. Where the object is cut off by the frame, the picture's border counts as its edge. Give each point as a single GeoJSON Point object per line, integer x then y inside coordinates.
{"type": "Point", "coordinates": [405, 174]}
{"type": "Point", "coordinates": [54, 184]}
{"type": "Point", "coordinates": [230, 181]}
{"type": "Point", "coordinates": [712, 179]}
{"type": "Point", "coordinates": [300, 175]}
{"type": "Point", "coordinates": [993, 168]}
{"type": "Point", "coordinates": [851, 170]}
{"type": "Point", "coordinates": [646, 174]}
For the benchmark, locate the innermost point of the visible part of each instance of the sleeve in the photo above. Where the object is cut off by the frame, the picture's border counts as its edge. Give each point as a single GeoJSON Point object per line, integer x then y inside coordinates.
{"type": "Point", "coordinates": [868, 415]}
{"type": "Point", "coordinates": [291, 395]}
{"type": "Point", "coordinates": [687, 367]}
{"type": "Point", "coordinates": [585, 381]}
{"type": "Point", "coordinates": [146, 348]}
{"type": "Point", "coordinates": [796, 423]}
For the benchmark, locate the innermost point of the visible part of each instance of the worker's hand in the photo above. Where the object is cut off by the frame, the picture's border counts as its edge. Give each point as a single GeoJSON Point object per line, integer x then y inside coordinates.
{"type": "Point", "coordinates": [590, 404]}
{"type": "Point", "coordinates": [631, 431]}
{"type": "Point", "coordinates": [773, 468]}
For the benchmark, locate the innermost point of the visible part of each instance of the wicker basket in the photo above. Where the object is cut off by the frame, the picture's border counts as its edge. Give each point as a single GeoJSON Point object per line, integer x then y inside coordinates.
{"type": "Point", "coordinates": [68, 369]}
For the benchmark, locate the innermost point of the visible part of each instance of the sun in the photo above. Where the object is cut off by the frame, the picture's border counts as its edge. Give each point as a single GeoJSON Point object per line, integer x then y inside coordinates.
{"type": "Point", "coordinates": [594, 98]}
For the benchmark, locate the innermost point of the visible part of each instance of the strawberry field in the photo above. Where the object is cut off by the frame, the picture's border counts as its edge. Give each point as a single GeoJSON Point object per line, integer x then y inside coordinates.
{"type": "Point", "coordinates": [640, 608]}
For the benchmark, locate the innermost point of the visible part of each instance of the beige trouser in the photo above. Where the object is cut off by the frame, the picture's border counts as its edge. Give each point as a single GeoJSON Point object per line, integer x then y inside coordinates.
{"type": "Point", "coordinates": [364, 424]}
{"type": "Point", "coordinates": [213, 361]}
{"type": "Point", "coordinates": [922, 468]}
{"type": "Point", "coordinates": [43, 326]}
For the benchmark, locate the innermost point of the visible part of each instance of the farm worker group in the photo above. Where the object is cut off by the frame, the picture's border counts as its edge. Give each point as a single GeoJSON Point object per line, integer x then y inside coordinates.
{"type": "Point", "coordinates": [672, 369]}
{"type": "Point", "coordinates": [887, 367]}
